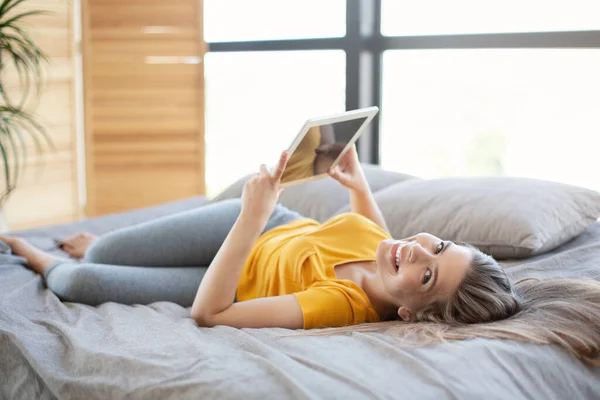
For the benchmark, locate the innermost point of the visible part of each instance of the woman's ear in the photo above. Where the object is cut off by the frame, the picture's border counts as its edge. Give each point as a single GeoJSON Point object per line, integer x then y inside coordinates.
{"type": "Point", "coordinates": [405, 314]}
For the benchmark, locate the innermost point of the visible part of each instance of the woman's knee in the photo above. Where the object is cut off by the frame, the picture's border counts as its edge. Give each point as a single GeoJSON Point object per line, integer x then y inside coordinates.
{"type": "Point", "coordinates": [102, 250]}
{"type": "Point", "coordinates": [71, 285]}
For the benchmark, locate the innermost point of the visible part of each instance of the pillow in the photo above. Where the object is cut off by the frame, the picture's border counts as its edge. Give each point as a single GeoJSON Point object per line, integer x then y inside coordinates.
{"type": "Point", "coordinates": [504, 217]}
{"type": "Point", "coordinates": [321, 198]}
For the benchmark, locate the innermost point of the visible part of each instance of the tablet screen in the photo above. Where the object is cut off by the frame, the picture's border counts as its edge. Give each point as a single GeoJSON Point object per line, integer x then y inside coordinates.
{"type": "Point", "coordinates": [319, 149]}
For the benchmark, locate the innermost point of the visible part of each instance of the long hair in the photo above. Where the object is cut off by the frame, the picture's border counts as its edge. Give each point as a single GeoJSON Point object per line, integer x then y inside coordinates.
{"type": "Point", "coordinates": [563, 312]}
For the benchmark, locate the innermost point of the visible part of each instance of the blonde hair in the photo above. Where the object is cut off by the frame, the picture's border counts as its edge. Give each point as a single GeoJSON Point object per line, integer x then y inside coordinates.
{"type": "Point", "coordinates": [563, 312]}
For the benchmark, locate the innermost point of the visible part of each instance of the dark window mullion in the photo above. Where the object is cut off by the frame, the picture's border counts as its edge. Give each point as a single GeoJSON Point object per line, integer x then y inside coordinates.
{"type": "Point", "coordinates": [376, 80]}
{"type": "Point", "coordinates": [279, 45]}
{"type": "Point", "coordinates": [352, 46]}
{"type": "Point", "coordinates": [581, 39]}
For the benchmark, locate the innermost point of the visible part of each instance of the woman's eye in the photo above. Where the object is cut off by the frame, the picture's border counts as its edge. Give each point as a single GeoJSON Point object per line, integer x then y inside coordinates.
{"type": "Point", "coordinates": [427, 277]}
{"type": "Point", "coordinates": [439, 248]}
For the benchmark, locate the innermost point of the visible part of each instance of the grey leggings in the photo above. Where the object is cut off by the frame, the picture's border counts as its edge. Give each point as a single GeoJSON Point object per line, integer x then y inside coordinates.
{"type": "Point", "coordinates": [160, 260]}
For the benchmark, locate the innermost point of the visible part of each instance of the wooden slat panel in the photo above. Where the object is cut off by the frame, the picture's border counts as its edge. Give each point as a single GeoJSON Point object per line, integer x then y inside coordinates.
{"type": "Point", "coordinates": [54, 98]}
{"type": "Point", "coordinates": [187, 161]}
{"type": "Point", "coordinates": [154, 126]}
{"type": "Point", "coordinates": [129, 82]}
{"type": "Point", "coordinates": [157, 47]}
{"type": "Point", "coordinates": [55, 201]}
{"type": "Point", "coordinates": [144, 102]}
{"type": "Point", "coordinates": [147, 185]}
{"type": "Point", "coordinates": [126, 71]}
{"type": "Point", "coordinates": [48, 191]}
{"type": "Point", "coordinates": [133, 111]}
{"type": "Point", "coordinates": [44, 194]}
{"type": "Point", "coordinates": [152, 97]}
{"type": "Point", "coordinates": [53, 40]}
{"type": "Point", "coordinates": [124, 144]}
{"type": "Point", "coordinates": [107, 16]}
{"type": "Point", "coordinates": [146, 33]}
{"type": "Point", "coordinates": [62, 140]}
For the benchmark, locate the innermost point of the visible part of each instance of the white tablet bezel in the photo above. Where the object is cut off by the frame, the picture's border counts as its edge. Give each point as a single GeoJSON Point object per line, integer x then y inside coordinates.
{"type": "Point", "coordinates": [368, 112]}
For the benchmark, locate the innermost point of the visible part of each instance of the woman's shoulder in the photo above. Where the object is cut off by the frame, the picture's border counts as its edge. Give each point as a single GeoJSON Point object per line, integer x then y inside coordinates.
{"type": "Point", "coordinates": [335, 302]}
{"type": "Point", "coordinates": [347, 217]}
{"type": "Point", "coordinates": [352, 220]}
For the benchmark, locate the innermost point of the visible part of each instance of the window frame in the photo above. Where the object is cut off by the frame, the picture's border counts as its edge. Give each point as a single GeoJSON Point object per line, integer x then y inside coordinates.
{"type": "Point", "coordinates": [364, 46]}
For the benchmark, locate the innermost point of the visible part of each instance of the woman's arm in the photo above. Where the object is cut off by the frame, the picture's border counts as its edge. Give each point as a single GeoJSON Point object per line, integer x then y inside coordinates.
{"type": "Point", "coordinates": [217, 289]}
{"type": "Point", "coordinates": [214, 304]}
{"type": "Point", "coordinates": [350, 174]}
{"type": "Point", "coordinates": [363, 203]}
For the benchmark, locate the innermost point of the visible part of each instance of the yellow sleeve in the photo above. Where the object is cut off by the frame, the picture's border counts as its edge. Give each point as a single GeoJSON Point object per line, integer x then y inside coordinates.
{"type": "Point", "coordinates": [330, 304]}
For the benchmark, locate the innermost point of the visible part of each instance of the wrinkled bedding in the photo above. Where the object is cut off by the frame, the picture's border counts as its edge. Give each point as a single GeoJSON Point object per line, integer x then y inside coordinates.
{"type": "Point", "coordinates": [55, 350]}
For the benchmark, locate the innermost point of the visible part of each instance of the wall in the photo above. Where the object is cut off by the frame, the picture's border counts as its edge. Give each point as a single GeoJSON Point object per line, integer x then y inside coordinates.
{"type": "Point", "coordinates": [48, 189]}
{"type": "Point", "coordinates": [144, 102]}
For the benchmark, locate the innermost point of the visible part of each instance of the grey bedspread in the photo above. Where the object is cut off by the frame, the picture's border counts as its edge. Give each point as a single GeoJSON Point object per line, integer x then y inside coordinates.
{"type": "Point", "coordinates": [50, 349]}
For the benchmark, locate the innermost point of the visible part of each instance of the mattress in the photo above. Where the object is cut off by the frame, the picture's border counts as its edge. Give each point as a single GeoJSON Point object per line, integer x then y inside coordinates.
{"type": "Point", "coordinates": [55, 350]}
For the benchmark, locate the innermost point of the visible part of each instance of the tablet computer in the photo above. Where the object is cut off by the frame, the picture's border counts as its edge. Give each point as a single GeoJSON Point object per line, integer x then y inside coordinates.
{"type": "Point", "coordinates": [321, 144]}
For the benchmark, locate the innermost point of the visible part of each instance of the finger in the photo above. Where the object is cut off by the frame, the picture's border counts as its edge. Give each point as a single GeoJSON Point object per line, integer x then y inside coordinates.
{"type": "Point", "coordinates": [264, 171]}
{"type": "Point", "coordinates": [283, 159]}
{"type": "Point", "coordinates": [338, 175]}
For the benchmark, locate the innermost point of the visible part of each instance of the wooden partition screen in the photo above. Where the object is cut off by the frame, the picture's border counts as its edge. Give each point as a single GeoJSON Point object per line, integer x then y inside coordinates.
{"type": "Point", "coordinates": [144, 107]}
{"type": "Point", "coordinates": [47, 192]}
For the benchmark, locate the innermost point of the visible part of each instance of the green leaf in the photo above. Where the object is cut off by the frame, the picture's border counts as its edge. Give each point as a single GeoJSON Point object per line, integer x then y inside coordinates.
{"type": "Point", "coordinates": [9, 135]}
{"type": "Point", "coordinates": [6, 169]}
{"type": "Point", "coordinates": [15, 154]}
{"type": "Point", "coordinates": [6, 6]}
{"type": "Point", "coordinates": [35, 131]}
{"type": "Point", "coordinates": [27, 59]}
{"type": "Point", "coordinates": [19, 50]}
{"type": "Point", "coordinates": [17, 18]}
{"type": "Point", "coordinates": [19, 136]}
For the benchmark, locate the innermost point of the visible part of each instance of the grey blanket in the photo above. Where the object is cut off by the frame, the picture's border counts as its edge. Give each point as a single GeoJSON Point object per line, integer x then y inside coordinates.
{"type": "Point", "coordinates": [50, 349]}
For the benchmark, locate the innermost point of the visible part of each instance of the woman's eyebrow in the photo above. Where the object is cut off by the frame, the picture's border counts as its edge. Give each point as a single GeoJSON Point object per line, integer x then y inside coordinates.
{"type": "Point", "coordinates": [448, 243]}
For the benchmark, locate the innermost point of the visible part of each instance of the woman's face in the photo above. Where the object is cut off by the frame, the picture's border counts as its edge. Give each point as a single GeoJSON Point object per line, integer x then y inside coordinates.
{"type": "Point", "coordinates": [421, 269]}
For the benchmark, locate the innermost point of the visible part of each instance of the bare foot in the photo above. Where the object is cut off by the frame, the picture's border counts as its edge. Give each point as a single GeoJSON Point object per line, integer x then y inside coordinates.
{"type": "Point", "coordinates": [37, 259]}
{"type": "Point", "coordinates": [76, 245]}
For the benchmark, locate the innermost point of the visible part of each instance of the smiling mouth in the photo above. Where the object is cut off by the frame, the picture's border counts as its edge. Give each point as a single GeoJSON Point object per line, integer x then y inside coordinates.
{"type": "Point", "coordinates": [396, 254]}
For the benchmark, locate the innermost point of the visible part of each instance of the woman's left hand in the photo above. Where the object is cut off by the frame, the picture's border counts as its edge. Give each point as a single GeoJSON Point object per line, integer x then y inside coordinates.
{"type": "Point", "coordinates": [261, 192]}
{"type": "Point", "coordinates": [349, 172]}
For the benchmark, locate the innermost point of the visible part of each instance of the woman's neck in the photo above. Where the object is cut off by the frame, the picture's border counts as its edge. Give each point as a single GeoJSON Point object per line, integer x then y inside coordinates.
{"type": "Point", "coordinates": [365, 275]}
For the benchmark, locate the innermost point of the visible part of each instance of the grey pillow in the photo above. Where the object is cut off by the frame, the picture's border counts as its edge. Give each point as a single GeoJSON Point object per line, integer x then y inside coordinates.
{"type": "Point", "coordinates": [321, 198]}
{"type": "Point", "coordinates": [504, 217]}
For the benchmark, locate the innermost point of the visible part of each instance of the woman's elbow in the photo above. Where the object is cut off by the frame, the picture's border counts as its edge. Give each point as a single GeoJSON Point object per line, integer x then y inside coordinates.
{"type": "Point", "coordinates": [203, 319]}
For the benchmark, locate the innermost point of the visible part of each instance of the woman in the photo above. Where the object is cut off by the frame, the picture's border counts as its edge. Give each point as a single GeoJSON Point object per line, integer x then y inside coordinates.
{"type": "Point", "coordinates": [270, 267]}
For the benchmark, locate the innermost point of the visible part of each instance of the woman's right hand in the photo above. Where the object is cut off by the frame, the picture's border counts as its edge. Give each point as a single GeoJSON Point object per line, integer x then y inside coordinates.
{"type": "Point", "coordinates": [261, 192]}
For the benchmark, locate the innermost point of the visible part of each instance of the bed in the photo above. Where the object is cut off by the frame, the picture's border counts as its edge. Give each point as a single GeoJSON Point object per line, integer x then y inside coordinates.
{"type": "Point", "coordinates": [55, 350]}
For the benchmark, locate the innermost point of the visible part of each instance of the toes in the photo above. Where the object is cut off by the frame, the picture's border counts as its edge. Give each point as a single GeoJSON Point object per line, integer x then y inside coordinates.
{"type": "Point", "coordinates": [74, 239]}
{"type": "Point", "coordinates": [12, 241]}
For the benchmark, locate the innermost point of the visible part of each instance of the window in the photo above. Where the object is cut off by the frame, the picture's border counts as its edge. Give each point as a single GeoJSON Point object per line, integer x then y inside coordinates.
{"type": "Point", "coordinates": [443, 17]}
{"type": "Point", "coordinates": [465, 87]}
{"type": "Point", "coordinates": [520, 112]}
{"type": "Point", "coordinates": [256, 103]}
{"type": "Point", "coordinates": [243, 20]}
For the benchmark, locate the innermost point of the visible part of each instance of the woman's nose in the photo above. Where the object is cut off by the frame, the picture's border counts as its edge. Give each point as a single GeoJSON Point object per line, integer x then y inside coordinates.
{"type": "Point", "coordinates": [419, 253]}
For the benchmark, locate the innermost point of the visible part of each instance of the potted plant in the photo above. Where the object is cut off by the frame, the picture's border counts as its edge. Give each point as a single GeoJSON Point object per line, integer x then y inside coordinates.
{"type": "Point", "coordinates": [21, 72]}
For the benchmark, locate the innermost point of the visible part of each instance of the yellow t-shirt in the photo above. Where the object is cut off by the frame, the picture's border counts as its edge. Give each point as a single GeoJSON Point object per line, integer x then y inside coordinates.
{"type": "Point", "coordinates": [299, 258]}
